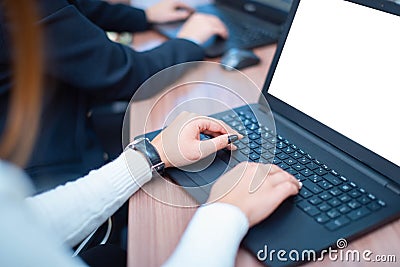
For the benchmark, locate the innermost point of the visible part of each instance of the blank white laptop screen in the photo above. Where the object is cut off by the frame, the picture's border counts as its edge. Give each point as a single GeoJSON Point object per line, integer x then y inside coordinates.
{"type": "Point", "coordinates": [341, 66]}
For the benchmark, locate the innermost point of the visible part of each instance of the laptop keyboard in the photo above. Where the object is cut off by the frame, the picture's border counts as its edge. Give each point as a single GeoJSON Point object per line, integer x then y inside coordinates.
{"type": "Point", "coordinates": [328, 197]}
{"type": "Point", "coordinates": [242, 31]}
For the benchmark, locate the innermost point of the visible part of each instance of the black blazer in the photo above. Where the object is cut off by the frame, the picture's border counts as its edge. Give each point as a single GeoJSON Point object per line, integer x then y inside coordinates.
{"type": "Point", "coordinates": [82, 64]}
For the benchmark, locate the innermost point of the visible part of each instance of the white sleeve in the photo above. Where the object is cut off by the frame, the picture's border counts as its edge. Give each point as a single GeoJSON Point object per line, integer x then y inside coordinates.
{"type": "Point", "coordinates": [74, 210]}
{"type": "Point", "coordinates": [212, 237]}
{"type": "Point", "coordinates": [24, 240]}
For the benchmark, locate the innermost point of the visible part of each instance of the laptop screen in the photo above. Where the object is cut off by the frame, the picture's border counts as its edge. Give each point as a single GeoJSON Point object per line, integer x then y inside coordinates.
{"type": "Point", "coordinates": [340, 65]}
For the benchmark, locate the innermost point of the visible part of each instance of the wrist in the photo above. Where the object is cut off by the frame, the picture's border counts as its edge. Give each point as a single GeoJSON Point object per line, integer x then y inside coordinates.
{"type": "Point", "coordinates": [158, 146]}
{"type": "Point", "coordinates": [147, 149]}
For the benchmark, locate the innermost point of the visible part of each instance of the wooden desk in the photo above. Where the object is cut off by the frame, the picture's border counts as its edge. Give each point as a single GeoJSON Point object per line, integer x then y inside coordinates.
{"type": "Point", "coordinates": [155, 228]}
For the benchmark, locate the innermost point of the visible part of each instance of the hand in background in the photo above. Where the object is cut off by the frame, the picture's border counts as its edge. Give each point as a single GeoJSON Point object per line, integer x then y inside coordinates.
{"type": "Point", "coordinates": [201, 27]}
{"type": "Point", "coordinates": [168, 11]}
{"type": "Point", "coordinates": [179, 144]}
{"type": "Point", "coordinates": [274, 186]}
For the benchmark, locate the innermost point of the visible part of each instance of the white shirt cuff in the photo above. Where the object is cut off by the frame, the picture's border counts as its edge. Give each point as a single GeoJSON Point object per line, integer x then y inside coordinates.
{"type": "Point", "coordinates": [212, 237]}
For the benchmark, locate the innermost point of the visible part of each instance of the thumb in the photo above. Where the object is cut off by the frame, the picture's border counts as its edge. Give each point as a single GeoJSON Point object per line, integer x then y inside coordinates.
{"type": "Point", "coordinates": [181, 14]}
{"type": "Point", "coordinates": [207, 147]}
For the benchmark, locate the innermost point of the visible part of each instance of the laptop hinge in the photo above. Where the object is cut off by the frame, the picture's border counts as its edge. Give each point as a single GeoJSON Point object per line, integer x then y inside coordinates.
{"type": "Point", "coordinates": [393, 187]}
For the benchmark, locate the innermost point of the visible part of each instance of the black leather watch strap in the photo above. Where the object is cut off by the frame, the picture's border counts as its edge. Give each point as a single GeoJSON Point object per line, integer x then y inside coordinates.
{"type": "Point", "coordinates": [144, 146]}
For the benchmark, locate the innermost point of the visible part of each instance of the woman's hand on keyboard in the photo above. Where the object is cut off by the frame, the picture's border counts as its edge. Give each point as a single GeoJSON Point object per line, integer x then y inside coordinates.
{"type": "Point", "coordinates": [257, 189]}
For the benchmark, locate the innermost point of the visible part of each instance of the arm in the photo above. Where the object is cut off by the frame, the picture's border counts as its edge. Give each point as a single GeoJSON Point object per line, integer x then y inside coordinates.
{"type": "Point", "coordinates": [114, 17]}
{"type": "Point", "coordinates": [25, 241]}
{"type": "Point", "coordinates": [74, 210]}
{"type": "Point", "coordinates": [79, 54]}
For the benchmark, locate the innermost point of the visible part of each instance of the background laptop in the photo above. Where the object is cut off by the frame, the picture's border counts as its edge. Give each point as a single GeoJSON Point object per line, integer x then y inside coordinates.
{"type": "Point", "coordinates": [250, 23]}
{"type": "Point", "coordinates": [333, 91]}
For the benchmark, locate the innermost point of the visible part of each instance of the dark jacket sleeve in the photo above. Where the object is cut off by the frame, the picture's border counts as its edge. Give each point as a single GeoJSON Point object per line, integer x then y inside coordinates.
{"type": "Point", "coordinates": [113, 17]}
{"type": "Point", "coordinates": [79, 54]}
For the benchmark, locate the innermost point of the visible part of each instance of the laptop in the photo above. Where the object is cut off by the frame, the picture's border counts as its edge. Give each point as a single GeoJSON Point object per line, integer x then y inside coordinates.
{"type": "Point", "coordinates": [250, 23]}
{"type": "Point", "coordinates": [333, 91]}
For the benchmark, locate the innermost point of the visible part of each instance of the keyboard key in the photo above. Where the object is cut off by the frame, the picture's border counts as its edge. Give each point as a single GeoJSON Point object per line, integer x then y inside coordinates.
{"type": "Point", "coordinates": [380, 202]}
{"type": "Point", "coordinates": [354, 204]}
{"type": "Point", "coordinates": [371, 196]}
{"type": "Point", "coordinates": [326, 168]}
{"type": "Point", "coordinates": [352, 184]}
{"type": "Point", "coordinates": [254, 136]}
{"type": "Point", "coordinates": [308, 208]}
{"type": "Point", "coordinates": [315, 200]}
{"type": "Point", "coordinates": [334, 172]}
{"type": "Point", "coordinates": [337, 223]}
{"type": "Point", "coordinates": [344, 209]}
{"type": "Point", "coordinates": [333, 213]}
{"type": "Point", "coordinates": [322, 218]}
{"type": "Point", "coordinates": [245, 151]}
{"type": "Point", "coordinates": [320, 171]}
{"type": "Point", "coordinates": [306, 172]}
{"type": "Point", "coordinates": [280, 145]}
{"type": "Point", "coordinates": [253, 145]}
{"type": "Point", "coordinates": [345, 198]}
{"type": "Point", "coordinates": [359, 213]}
{"type": "Point", "coordinates": [312, 187]}
{"type": "Point", "coordinates": [288, 150]}
{"type": "Point", "coordinates": [240, 145]}
{"type": "Point", "coordinates": [373, 206]}
{"type": "Point", "coordinates": [268, 156]}
{"type": "Point", "coordinates": [334, 202]}
{"type": "Point", "coordinates": [282, 156]}
{"type": "Point", "coordinates": [345, 187]}
{"type": "Point", "coordinates": [296, 155]}
{"type": "Point", "coordinates": [298, 167]}
{"type": "Point", "coordinates": [325, 196]}
{"type": "Point", "coordinates": [354, 193]}
{"type": "Point", "coordinates": [265, 161]}
{"type": "Point", "coordinates": [290, 161]}
{"type": "Point", "coordinates": [325, 185]}
{"type": "Point", "coordinates": [335, 192]}
{"type": "Point", "coordinates": [312, 166]}
{"type": "Point", "coordinates": [324, 207]}
{"type": "Point", "coordinates": [300, 177]}
{"type": "Point", "coordinates": [283, 166]}
{"type": "Point", "coordinates": [315, 178]}
{"type": "Point", "coordinates": [332, 179]}
{"type": "Point", "coordinates": [302, 152]}
{"type": "Point", "coordinates": [276, 161]}
{"type": "Point", "coordinates": [259, 150]}
{"type": "Point", "coordinates": [254, 156]}
{"type": "Point", "coordinates": [364, 199]}
{"type": "Point", "coordinates": [317, 162]}
{"type": "Point", "coordinates": [304, 160]}
{"type": "Point", "coordinates": [305, 193]}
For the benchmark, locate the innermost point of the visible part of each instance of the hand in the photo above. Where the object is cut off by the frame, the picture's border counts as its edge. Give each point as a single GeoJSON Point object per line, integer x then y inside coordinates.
{"type": "Point", "coordinates": [274, 186]}
{"type": "Point", "coordinates": [179, 144]}
{"type": "Point", "coordinates": [201, 27]}
{"type": "Point", "coordinates": [168, 11]}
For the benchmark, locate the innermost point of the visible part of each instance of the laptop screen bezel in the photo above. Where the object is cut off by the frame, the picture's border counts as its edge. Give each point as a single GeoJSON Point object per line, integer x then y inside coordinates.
{"type": "Point", "coordinates": [262, 11]}
{"type": "Point", "coordinates": [329, 135]}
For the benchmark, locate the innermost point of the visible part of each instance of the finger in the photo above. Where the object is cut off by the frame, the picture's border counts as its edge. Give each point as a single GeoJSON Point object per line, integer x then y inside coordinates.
{"type": "Point", "coordinates": [181, 14]}
{"type": "Point", "coordinates": [220, 28]}
{"type": "Point", "coordinates": [211, 125]}
{"type": "Point", "coordinates": [279, 177]}
{"type": "Point", "coordinates": [182, 5]}
{"type": "Point", "coordinates": [210, 146]}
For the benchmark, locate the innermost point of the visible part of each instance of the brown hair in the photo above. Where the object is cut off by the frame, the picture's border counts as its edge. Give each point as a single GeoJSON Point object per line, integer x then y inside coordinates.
{"type": "Point", "coordinates": [19, 134]}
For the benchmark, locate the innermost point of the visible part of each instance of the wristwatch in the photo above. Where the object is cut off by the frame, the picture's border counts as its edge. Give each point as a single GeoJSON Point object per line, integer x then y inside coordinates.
{"type": "Point", "coordinates": [144, 146]}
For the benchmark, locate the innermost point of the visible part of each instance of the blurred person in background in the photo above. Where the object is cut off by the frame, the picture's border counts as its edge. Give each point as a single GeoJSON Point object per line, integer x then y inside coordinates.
{"type": "Point", "coordinates": [83, 68]}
